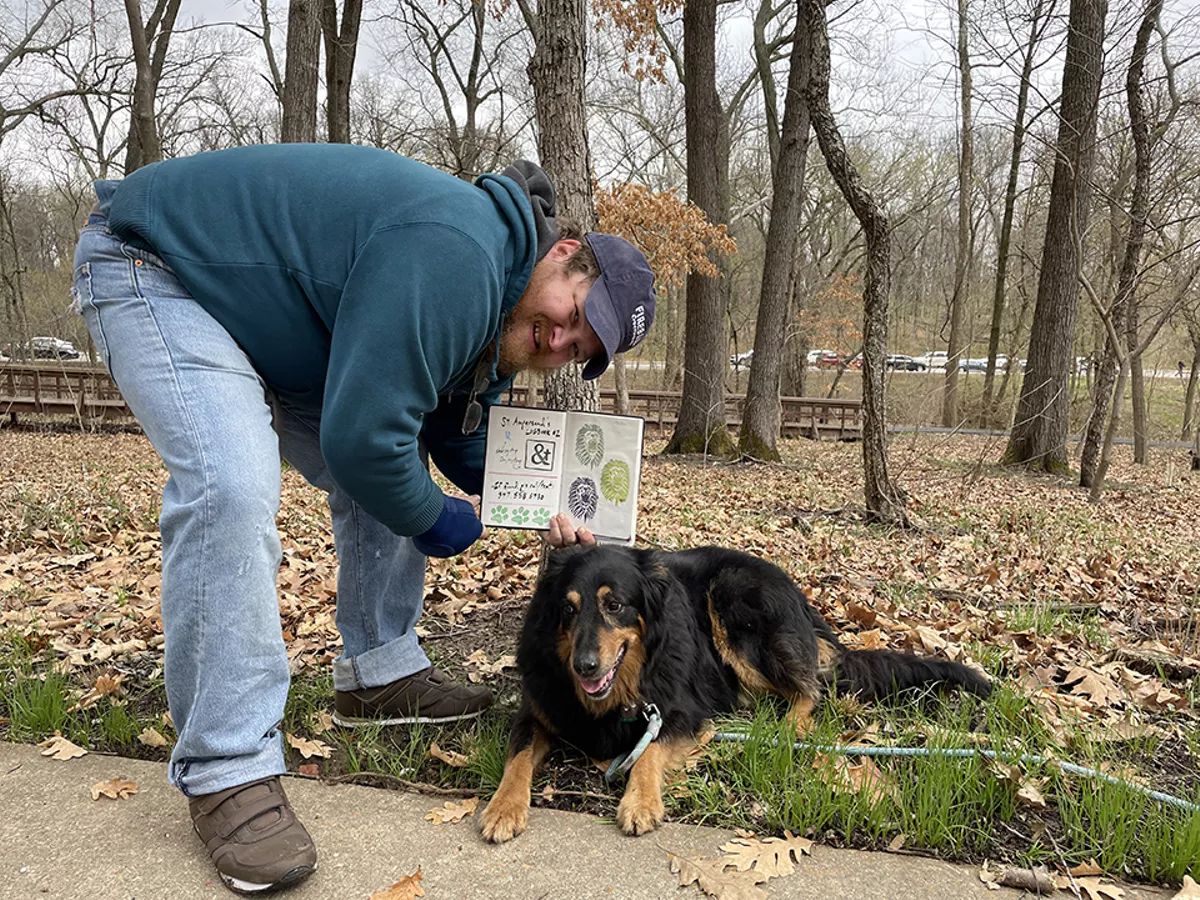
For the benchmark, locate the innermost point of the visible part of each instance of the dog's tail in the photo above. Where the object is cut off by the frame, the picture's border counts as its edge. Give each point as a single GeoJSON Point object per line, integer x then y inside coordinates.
{"type": "Point", "coordinates": [872, 674]}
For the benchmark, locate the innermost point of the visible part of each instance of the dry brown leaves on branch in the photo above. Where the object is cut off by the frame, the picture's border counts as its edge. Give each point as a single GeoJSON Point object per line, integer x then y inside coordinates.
{"type": "Point", "coordinates": [675, 235]}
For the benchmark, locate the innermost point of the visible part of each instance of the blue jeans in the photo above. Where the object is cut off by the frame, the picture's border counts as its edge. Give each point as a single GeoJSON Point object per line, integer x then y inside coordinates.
{"type": "Point", "coordinates": [221, 434]}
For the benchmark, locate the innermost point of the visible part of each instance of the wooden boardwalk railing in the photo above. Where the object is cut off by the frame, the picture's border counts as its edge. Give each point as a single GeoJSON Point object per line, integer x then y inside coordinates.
{"type": "Point", "coordinates": [87, 393]}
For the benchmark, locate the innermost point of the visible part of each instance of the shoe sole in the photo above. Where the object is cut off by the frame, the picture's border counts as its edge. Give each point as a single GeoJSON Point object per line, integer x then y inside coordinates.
{"type": "Point", "coordinates": [289, 878]}
{"type": "Point", "coordinates": [351, 722]}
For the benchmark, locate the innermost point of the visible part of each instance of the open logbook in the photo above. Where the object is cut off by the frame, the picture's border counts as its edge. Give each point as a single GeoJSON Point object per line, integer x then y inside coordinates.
{"type": "Point", "coordinates": [541, 462]}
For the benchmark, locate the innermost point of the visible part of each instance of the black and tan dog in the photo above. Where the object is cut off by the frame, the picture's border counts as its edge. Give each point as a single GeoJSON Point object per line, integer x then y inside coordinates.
{"type": "Point", "coordinates": [611, 630]}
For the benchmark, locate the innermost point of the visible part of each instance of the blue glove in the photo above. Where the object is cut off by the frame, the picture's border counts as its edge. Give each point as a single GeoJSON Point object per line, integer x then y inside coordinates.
{"type": "Point", "coordinates": [456, 529]}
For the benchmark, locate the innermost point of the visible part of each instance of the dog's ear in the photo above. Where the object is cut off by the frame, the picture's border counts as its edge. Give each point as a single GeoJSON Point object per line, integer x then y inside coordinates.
{"type": "Point", "coordinates": [667, 639]}
{"type": "Point", "coordinates": [656, 583]}
{"type": "Point", "coordinates": [557, 559]}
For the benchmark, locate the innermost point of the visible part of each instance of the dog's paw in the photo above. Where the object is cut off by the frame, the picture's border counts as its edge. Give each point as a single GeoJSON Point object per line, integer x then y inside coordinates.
{"type": "Point", "coordinates": [504, 819]}
{"type": "Point", "coordinates": [638, 813]}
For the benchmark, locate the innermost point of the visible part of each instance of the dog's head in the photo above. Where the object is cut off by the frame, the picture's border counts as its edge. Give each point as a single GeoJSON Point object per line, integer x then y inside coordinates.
{"type": "Point", "coordinates": [601, 603]}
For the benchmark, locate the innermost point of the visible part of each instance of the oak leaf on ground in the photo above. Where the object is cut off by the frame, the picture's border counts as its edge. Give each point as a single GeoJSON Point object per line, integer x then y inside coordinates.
{"type": "Point", "coordinates": [712, 878]}
{"type": "Point", "coordinates": [115, 788]}
{"type": "Point", "coordinates": [151, 737]}
{"type": "Point", "coordinates": [1190, 891]}
{"type": "Point", "coordinates": [58, 747]}
{"type": "Point", "coordinates": [309, 747]}
{"type": "Point", "coordinates": [407, 888]}
{"type": "Point", "coordinates": [449, 757]}
{"type": "Point", "coordinates": [452, 811]}
{"type": "Point", "coordinates": [770, 856]}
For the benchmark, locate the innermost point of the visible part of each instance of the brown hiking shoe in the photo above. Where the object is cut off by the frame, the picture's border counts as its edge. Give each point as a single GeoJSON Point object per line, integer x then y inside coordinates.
{"type": "Point", "coordinates": [253, 837]}
{"type": "Point", "coordinates": [427, 696]}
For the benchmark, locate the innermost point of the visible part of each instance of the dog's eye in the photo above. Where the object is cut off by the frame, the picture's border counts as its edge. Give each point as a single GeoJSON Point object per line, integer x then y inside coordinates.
{"type": "Point", "coordinates": [568, 610]}
{"type": "Point", "coordinates": [613, 606]}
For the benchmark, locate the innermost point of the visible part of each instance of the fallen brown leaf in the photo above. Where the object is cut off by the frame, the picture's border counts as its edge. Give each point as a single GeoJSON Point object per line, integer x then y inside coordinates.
{"type": "Point", "coordinates": [313, 770]}
{"type": "Point", "coordinates": [309, 748]}
{"type": "Point", "coordinates": [770, 857]}
{"type": "Point", "coordinates": [449, 757]}
{"type": "Point", "coordinates": [58, 747]}
{"type": "Point", "coordinates": [1190, 891]}
{"type": "Point", "coordinates": [1091, 867]}
{"type": "Point", "coordinates": [116, 788]}
{"type": "Point", "coordinates": [712, 878]}
{"type": "Point", "coordinates": [151, 737]}
{"type": "Point", "coordinates": [407, 888]}
{"type": "Point", "coordinates": [452, 811]}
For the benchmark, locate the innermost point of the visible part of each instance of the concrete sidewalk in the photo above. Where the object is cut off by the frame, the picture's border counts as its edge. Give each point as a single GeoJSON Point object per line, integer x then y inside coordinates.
{"type": "Point", "coordinates": [56, 842]}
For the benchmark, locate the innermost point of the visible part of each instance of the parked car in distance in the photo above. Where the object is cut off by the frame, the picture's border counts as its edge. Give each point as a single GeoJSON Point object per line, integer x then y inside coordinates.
{"type": "Point", "coordinates": [933, 359]}
{"type": "Point", "coordinates": [972, 365]}
{"type": "Point", "coordinates": [904, 363]}
{"type": "Point", "coordinates": [42, 348]}
{"type": "Point", "coordinates": [739, 360]}
{"type": "Point", "coordinates": [827, 359]}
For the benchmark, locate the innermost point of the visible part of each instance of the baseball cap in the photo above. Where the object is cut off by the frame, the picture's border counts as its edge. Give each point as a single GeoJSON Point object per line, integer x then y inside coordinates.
{"type": "Point", "coordinates": [620, 305]}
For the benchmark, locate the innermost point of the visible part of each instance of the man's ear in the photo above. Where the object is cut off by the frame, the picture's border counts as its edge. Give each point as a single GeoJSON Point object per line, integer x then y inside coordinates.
{"type": "Point", "coordinates": [563, 250]}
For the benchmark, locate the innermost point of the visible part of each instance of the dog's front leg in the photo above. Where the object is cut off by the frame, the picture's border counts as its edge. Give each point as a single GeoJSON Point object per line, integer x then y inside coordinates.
{"type": "Point", "coordinates": [641, 808]}
{"type": "Point", "coordinates": [508, 812]}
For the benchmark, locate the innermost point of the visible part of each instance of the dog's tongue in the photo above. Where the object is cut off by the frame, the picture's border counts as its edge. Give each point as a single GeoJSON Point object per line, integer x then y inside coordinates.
{"type": "Point", "coordinates": [592, 687]}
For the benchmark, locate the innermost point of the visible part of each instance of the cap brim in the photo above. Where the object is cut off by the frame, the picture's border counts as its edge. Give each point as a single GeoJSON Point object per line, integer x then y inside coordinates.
{"type": "Point", "coordinates": [598, 309]}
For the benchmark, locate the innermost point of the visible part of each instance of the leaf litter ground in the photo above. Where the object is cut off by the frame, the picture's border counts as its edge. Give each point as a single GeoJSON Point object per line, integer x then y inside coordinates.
{"type": "Point", "coordinates": [1090, 611]}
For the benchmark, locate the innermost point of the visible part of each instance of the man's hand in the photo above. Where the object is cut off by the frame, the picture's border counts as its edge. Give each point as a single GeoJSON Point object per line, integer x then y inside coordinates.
{"type": "Point", "coordinates": [456, 529]}
{"type": "Point", "coordinates": [563, 533]}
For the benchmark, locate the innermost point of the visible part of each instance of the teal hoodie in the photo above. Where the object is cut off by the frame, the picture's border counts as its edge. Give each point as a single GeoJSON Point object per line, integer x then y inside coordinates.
{"type": "Point", "coordinates": [359, 283]}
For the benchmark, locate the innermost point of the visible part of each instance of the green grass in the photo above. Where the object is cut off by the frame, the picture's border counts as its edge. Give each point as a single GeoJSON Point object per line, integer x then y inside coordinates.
{"type": "Point", "coordinates": [957, 807]}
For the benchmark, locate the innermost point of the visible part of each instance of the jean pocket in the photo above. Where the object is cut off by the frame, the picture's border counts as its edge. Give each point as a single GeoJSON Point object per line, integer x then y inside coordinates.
{"type": "Point", "coordinates": [84, 303]}
{"type": "Point", "coordinates": [152, 277]}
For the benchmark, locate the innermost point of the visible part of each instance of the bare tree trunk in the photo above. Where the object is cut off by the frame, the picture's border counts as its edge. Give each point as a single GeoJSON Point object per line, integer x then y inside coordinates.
{"type": "Point", "coordinates": [701, 425]}
{"type": "Point", "coordinates": [1137, 382]}
{"type": "Point", "coordinates": [340, 49]}
{"type": "Point", "coordinates": [300, 72]}
{"type": "Point", "coordinates": [761, 419]}
{"type": "Point", "coordinates": [885, 502]}
{"type": "Point", "coordinates": [1010, 203]}
{"type": "Point", "coordinates": [144, 146]}
{"type": "Point", "coordinates": [557, 75]}
{"type": "Point", "coordinates": [1124, 308]}
{"type": "Point", "coordinates": [1097, 484]}
{"type": "Point", "coordinates": [962, 263]}
{"type": "Point", "coordinates": [1039, 432]}
{"type": "Point", "coordinates": [1189, 402]}
{"type": "Point", "coordinates": [621, 377]}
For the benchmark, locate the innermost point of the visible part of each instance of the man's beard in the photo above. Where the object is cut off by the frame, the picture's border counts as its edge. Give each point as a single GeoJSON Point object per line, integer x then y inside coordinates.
{"type": "Point", "coordinates": [510, 362]}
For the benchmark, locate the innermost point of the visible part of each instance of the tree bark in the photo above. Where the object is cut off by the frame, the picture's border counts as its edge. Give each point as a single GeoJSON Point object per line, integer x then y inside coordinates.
{"type": "Point", "coordinates": [557, 75]}
{"type": "Point", "coordinates": [962, 263]}
{"type": "Point", "coordinates": [340, 49]}
{"type": "Point", "coordinates": [761, 419]}
{"type": "Point", "coordinates": [1137, 382]}
{"type": "Point", "coordinates": [1189, 401]}
{"type": "Point", "coordinates": [1010, 202]}
{"type": "Point", "coordinates": [885, 502]}
{"type": "Point", "coordinates": [1039, 433]}
{"type": "Point", "coordinates": [1123, 312]}
{"type": "Point", "coordinates": [301, 68]}
{"type": "Point", "coordinates": [621, 380]}
{"type": "Point", "coordinates": [150, 41]}
{"type": "Point", "coordinates": [701, 425]}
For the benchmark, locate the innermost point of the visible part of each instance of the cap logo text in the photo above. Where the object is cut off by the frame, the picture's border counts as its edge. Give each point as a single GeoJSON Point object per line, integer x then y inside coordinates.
{"type": "Point", "coordinates": [638, 321]}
